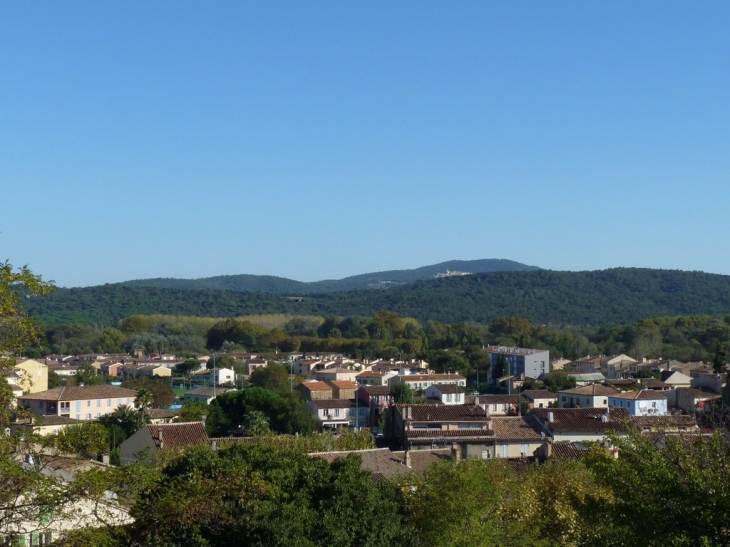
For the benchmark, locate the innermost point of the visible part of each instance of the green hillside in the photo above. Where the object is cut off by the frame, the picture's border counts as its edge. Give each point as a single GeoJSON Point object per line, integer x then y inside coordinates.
{"type": "Point", "coordinates": [272, 284]}
{"type": "Point", "coordinates": [605, 297]}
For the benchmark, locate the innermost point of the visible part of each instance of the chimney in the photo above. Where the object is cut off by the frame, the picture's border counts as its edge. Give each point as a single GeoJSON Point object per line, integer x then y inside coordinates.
{"type": "Point", "coordinates": [407, 459]}
{"type": "Point", "coordinates": [550, 417]}
{"type": "Point", "coordinates": [476, 401]}
{"type": "Point", "coordinates": [159, 438]}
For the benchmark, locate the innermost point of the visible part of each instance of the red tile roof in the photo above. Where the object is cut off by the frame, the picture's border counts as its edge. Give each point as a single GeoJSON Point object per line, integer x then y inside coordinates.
{"type": "Point", "coordinates": [515, 428]}
{"type": "Point", "coordinates": [445, 413]}
{"type": "Point", "coordinates": [178, 435]}
{"type": "Point", "coordinates": [567, 420]}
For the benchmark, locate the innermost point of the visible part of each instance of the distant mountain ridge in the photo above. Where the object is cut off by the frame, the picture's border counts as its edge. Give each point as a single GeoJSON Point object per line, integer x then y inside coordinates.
{"type": "Point", "coordinates": [282, 285]}
{"type": "Point", "coordinates": [605, 297]}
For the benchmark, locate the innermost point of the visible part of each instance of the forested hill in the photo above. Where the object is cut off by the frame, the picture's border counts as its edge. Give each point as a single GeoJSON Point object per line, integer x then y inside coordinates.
{"type": "Point", "coordinates": [272, 284]}
{"type": "Point", "coordinates": [605, 297]}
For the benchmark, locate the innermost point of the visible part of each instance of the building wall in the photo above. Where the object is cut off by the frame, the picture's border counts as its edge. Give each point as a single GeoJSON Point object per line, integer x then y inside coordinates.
{"type": "Point", "coordinates": [34, 378]}
{"type": "Point", "coordinates": [88, 409]}
{"type": "Point", "coordinates": [515, 449]}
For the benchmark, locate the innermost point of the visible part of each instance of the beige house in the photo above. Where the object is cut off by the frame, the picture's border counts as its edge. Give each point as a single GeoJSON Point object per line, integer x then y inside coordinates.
{"type": "Point", "coordinates": [516, 436]}
{"type": "Point", "coordinates": [79, 402]}
{"type": "Point", "coordinates": [43, 425]}
{"type": "Point", "coordinates": [315, 391]}
{"type": "Point", "coordinates": [421, 382]}
{"type": "Point", "coordinates": [540, 398]}
{"type": "Point", "coordinates": [590, 396]}
{"type": "Point", "coordinates": [149, 440]}
{"type": "Point", "coordinates": [343, 389]}
{"type": "Point", "coordinates": [31, 376]}
{"type": "Point", "coordinates": [336, 374]}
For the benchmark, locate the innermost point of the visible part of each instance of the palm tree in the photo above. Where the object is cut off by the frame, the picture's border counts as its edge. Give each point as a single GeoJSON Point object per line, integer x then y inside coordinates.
{"type": "Point", "coordinates": [256, 424]}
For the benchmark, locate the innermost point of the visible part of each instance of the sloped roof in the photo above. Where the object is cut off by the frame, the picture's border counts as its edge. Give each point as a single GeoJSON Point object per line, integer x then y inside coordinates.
{"type": "Point", "coordinates": [593, 390]}
{"type": "Point", "coordinates": [643, 395]}
{"type": "Point", "coordinates": [584, 419]}
{"type": "Point", "coordinates": [533, 394]}
{"type": "Point", "coordinates": [374, 391]}
{"type": "Point", "coordinates": [670, 420]}
{"type": "Point", "coordinates": [445, 413]}
{"type": "Point", "coordinates": [447, 388]}
{"type": "Point", "coordinates": [178, 435]}
{"type": "Point", "coordinates": [79, 393]}
{"type": "Point", "coordinates": [515, 428]}
{"type": "Point", "coordinates": [316, 386]}
{"type": "Point", "coordinates": [379, 461]}
{"type": "Point", "coordinates": [342, 384]}
{"type": "Point", "coordinates": [566, 450]}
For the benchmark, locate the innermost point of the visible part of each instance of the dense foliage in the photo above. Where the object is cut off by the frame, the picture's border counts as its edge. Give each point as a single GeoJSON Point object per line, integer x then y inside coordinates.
{"type": "Point", "coordinates": [605, 297]}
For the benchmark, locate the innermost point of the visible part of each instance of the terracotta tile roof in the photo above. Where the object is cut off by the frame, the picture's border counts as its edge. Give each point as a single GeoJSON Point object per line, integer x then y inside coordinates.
{"type": "Point", "coordinates": [438, 433]}
{"type": "Point", "coordinates": [448, 388]}
{"type": "Point", "coordinates": [178, 435]}
{"type": "Point", "coordinates": [316, 386]}
{"type": "Point", "coordinates": [160, 413]}
{"type": "Point", "coordinates": [374, 391]}
{"type": "Point", "coordinates": [569, 450]}
{"type": "Point", "coordinates": [696, 393]}
{"type": "Point", "coordinates": [567, 420]}
{"type": "Point", "coordinates": [533, 394]}
{"type": "Point", "coordinates": [445, 413]}
{"type": "Point", "coordinates": [331, 403]}
{"type": "Point", "coordinates": [593, 390]}
{"type": "Point", "coordinates": [343, 384]}
{"type": "Point", "coordinates": [515, 428]}
{"type": "Point", "coordinates": [494, 399]}
{"type": "Point", "coordinates": [653, 383]}
{"type": "Point", "coordinates": [79, 393]}
{"type": "Point", "coordinates": [435, 378]}
{"type": "Point", "coordinates": [670, 420]}
{"type": "Point", "coordinates": [381, 462]}
{"type": "Point", "coordinates": [421, 460]}
{"type": "Point", "coordinates": [643, 395]}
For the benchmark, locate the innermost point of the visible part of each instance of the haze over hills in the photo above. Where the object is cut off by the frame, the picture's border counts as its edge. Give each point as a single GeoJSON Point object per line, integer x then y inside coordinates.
{"type": "Point", "coordinates": [386, 279]}
{"type": "Point", "coordinates": [605, 297]}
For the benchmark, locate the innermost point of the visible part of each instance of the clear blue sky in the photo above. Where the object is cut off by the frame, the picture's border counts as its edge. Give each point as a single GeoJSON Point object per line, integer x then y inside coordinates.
{"type": "Point", "coordinates": [317, 140]}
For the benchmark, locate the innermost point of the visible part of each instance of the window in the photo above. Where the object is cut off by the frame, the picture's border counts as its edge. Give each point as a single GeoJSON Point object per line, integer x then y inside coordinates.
{"type": "Point", "coordinates": [88, 416]}
{"type": "Point", "coordinates": [128, 400]}
{"type": "Point", "coordinates": [98, 402]}
{"type": "Point", "coordinates": [119, 401]}
{"type": "Point", "coordinates": [108, 402]}
{"type": "Point", "coordinates": [337, 412]}
{"type": "Point", "coordinates": [40, 404]}
{"type": "Point", "coordinates": [88, 403]}
{"type": "Point", "coordinates": [78, 406]}
{"type": "Point", "coordinates": [65, 406]}
{"type": "Point", "coordinates": [448, 397]}
{"type": "Point", "coordinates": [494, 408]}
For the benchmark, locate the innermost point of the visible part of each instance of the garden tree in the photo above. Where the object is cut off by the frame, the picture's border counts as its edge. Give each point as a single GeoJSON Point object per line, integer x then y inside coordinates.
{"type": "Point", "coordinates": [719, 361]}
{"type": "Point", "coordinates": [286, 413]}
{"type": "Point", "coordinates": [501, 367]}
{"type": "Point", "coordinates": [463, 504]}
{"type": "Point", "coordinates": [144, 398]}
{"type": "Point", "coordinates": [187, 366]}
{"type": "Point", "coordinates": [402, 393]}
{"type": "Point", "coordinates": [646, 340]}
{"type": "Point", "coordinates": [275, 377]}
{"type": "Point", "coordinates": [220, 360]}
{"type": "Point", "coordinates": [676, 493]}
{"type": "Point", "coordinates": [163, 395]}
{"type": "Point", "coordinates": [192, 411]}
{"type": "Point", "coordinates": [87, 440]}
{"type": "Point", "coordinates": [548, 501]}
{"type": "Point", "coordinates": [55, 380]}
{"type": "Point", "coordinates": [87, 375]}
{"type": "Point", "coordinates": [127, 418]}
{"type": "Point", "coordinates": [17, 330]}
{"type": "Point", "coordinates": [646, 373]}
{"type": "Point", "coordinates": [558, 381]}
{"type": "Point", "coordinates": [256, 424]}
{"type": "Point", "coordinates": [448, 361]}
{"type": "Point", "coordinates": [257, 495]}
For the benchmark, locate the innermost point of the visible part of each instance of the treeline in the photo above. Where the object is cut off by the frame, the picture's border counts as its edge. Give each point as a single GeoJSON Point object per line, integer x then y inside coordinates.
{"type": "Point", "coordinates": [599, 298]}
{"type": "Point", "coordinates": [385, 334]}
{"type": "Point", "coordinates": [261, 494]}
